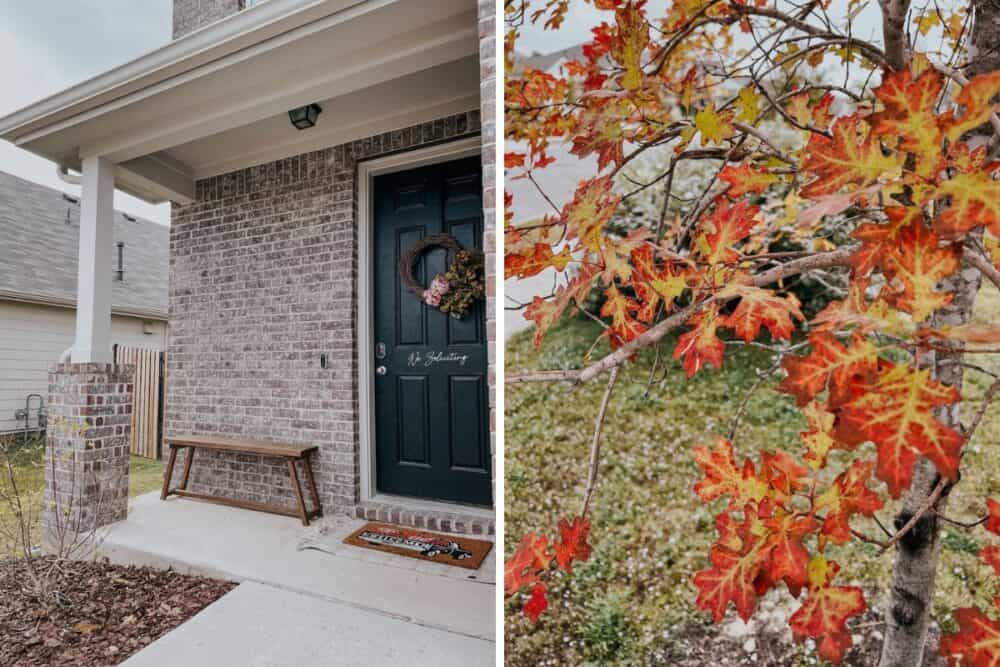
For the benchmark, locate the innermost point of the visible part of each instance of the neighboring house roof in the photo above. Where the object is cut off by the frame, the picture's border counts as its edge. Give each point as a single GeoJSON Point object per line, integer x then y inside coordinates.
{"type": "Point", "coordinates": [39, 237]}
{"type": "Point", "coordinates": [545, 61]}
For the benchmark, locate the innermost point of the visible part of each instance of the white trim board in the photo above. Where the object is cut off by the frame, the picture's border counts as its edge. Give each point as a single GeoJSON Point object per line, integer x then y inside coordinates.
{"type": "Point", "coordinates": [367, 171]}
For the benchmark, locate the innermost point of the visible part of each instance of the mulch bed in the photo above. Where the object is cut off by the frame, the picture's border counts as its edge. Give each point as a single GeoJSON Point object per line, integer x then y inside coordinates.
{"type": "Point", "coordinates": [102, 614]}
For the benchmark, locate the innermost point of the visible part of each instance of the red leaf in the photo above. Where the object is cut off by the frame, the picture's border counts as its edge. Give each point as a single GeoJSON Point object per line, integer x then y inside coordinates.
{"type": "Point", "coordinates": [829, 361]}
{"type": "Point", "coordinates": [760, 307]}
{"type": "Point", "coordinates": [993, 522]}
{"type": "Point", "coordinates": [848, 495]}
{"type": "Point", "coordinates": [522, 568]}
{"type": "Point", "coordinates": [977, 641]}
{"type": "Point", "coordinates": [572, 543]}
{"type": "Point", "coordinates": [701, 346]}
{"type": "Point", "coordinates": [826, 609]}
{"type": "Point", "coordinates": [537, 603]}
{"type": "Point", "coordinates": [724, 478]}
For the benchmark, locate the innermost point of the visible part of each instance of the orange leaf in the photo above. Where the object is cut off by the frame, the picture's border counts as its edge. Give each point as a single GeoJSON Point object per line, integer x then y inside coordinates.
{"type": "Point", "coordinates": [760, 307]}
{"type": "Point", "coordinates": [826, 609]}
{"type": "Point", "coordinates": [537, 603]}
{"type": "Point", "coordinates": [724, 478]}
{"type": "Point", "coordinates": [589, 210]}
{"type": "Point", "coordinates": [876, 239]}
{"type": "Point", "coordinates": [896, 412]}
{"type": "Point", "coordinates": [624, 327]}
{"type": "Point", "coordinates": [974, 201]}
{"type": "Point", "coordinates": [745, 179]}
{"type": "Point", "coordinates": [728, 224]}
{"type": "Point", "coordinates": [847, 495]}
{"type": "Point", "coordinates": [977, 641]}
{"type": "Point", "coordinates": [700, 345]}
{"type": "Point", "coordinates": [915, 264]}
{"type": "Point", "coordinates": [852, 157]}
{"type": "Point", "coordinates": [654, 285]}
{"type": "Point", "coordinates": [572, 544]}
{"type": "Point", "coordinates": [732, 574]}
{"type": "Point", "coordinates": [818, 439]}
{"type": "Point", "coordinates": [787, 558]}
{"type": "Point", "coordinates": [828, 360]}
{"type": "Point", "coordinates": [977, 99]}
{"type": "Point", "coordinates": [546, 312]}
{"type": "Point", "coordinates": [909, 114]}
{"type": "Point", "coordinates": [522, 568]}
{"type": "Point", "coordinates": [541, 258]}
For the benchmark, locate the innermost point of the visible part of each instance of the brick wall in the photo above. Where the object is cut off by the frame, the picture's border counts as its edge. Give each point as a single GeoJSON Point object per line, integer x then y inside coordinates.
{"type": "Point", "coordinates": [86, 467]}
{"type": "Point", "coordinates": [263, 279]}
{"type": "Point", "coordinates": [189, 15]}
{"type": "Point", "coordinates": [487, 96]}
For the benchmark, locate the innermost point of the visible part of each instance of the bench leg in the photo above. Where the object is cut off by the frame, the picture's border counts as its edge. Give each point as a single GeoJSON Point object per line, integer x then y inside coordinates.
{"type": "Point", "coordinates": [312, 485]}
{"type": "Point", "coordinates": [187, 467]}
{"type": "Point", "coordinates": [168, 473]}
{"type": "Point", "coordinates": [294, 475]}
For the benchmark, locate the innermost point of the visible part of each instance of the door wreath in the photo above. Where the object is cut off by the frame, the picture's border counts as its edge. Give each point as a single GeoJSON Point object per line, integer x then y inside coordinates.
{"type": "Point", "coordinates": [456, 290]}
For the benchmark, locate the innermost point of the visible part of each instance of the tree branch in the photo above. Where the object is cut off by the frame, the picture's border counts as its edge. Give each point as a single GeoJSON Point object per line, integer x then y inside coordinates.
{"type": "Point", "coordinates": [595, 444]}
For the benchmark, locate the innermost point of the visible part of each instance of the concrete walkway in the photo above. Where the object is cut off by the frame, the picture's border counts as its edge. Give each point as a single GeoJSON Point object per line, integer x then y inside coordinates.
{"type": "Point", "coordinates": [257, 625]}
{"type": "Point", "coordinates": [306, 594]}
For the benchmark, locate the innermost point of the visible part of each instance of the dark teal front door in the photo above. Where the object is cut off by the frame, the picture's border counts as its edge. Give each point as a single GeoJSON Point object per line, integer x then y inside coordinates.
{"type": "Point", "coordinates": [431, 431]}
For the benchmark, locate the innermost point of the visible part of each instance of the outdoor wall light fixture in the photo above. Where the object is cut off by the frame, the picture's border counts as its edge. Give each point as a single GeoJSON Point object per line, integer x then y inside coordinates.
{"type": "Point", "coordinates": [305, 117]}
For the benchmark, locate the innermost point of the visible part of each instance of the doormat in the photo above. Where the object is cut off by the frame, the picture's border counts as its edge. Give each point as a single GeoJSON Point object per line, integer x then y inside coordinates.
{"type": "Point", "coordinates": [421, 544]}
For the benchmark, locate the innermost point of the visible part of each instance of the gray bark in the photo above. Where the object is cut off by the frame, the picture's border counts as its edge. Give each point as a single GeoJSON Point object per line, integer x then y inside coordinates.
{"type": "Point", "coordinates": [916, 560]}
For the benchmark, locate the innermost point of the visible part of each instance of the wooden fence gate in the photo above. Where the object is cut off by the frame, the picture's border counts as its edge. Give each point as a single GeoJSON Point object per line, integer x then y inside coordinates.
{"type": "Point", "coordinates": [147, 399]}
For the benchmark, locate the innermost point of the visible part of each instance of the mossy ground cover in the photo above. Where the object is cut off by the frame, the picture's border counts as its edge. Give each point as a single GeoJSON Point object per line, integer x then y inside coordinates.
{"type": "Point", "coordinates": [633, 601]}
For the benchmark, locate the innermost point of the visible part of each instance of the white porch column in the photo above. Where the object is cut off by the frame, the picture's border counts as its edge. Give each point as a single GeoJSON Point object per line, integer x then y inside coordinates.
{"type": "Point", "coordinates": [93, 288]}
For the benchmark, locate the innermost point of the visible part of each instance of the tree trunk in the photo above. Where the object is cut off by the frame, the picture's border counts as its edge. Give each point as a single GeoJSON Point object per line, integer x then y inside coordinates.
{"type": "Point", "coordinates": [915, 566]}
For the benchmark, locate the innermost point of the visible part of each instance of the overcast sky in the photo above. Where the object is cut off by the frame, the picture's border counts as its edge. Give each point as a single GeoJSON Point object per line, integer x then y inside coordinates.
{"type": "Point", "coordinates": [49, 45]}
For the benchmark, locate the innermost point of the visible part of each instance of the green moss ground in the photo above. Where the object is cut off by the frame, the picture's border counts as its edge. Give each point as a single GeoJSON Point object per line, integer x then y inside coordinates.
{"type": "Point", "coordinates": [633, 600]}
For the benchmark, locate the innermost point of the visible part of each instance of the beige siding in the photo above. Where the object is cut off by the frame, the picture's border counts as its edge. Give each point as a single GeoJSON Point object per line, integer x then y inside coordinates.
{"type": "Point", "coordinates": [32, 337]}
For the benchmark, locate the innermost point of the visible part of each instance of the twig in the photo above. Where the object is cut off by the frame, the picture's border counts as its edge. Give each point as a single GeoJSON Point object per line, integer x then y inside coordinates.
{"type": "Point", "coordinates": [595, 444]}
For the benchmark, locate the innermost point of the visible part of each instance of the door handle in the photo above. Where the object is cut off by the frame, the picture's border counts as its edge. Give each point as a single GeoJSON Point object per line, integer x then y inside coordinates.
{"type": "Point", "coordinates": [380, 370]}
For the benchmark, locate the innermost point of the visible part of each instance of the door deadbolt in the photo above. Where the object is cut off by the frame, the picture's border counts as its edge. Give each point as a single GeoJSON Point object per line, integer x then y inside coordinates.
{"type": "Point", "coordinates": [380, 350]}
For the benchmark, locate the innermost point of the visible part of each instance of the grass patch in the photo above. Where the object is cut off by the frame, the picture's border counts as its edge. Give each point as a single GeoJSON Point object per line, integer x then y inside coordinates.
{"type": "Point", "coordinates": [634, 599]}
{"type": "Point", "coordinates": [145, 475]}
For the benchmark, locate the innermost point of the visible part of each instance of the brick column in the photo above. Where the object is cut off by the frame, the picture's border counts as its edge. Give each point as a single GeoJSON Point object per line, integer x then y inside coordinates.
{"type": "Point", "coordinates": [487, 104]}
{"type": "Point", "coordinates": [86, 465]}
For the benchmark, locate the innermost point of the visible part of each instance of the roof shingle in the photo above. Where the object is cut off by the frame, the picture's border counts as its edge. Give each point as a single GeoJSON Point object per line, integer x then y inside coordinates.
{"type": "Point", "coordinates": [39, 237]}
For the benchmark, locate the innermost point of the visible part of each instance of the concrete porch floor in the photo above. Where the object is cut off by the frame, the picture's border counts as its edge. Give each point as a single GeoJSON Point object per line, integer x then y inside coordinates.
{"type": "Point", "coordinates": [245, 546]}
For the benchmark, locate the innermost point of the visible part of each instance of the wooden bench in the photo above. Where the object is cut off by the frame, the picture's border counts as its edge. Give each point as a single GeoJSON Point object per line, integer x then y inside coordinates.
{"type": "Point", "coordinates": [290, 453]}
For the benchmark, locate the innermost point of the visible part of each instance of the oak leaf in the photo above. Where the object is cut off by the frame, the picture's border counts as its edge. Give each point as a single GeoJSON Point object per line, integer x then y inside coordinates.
{"type": "Point", "coordinates": [977, 641]}
{"type": "Point", "coordinates": [826, 609]}
{"type": "Point", "coordinates": [700, 346]}
{"type": "Point", "coordinates": [572, 544]}
{"type": "Point", "coordinates": [853, 156]}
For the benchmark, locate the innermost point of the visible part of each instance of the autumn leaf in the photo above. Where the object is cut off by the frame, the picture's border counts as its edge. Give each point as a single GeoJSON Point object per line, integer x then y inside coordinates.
{"type": "Point", "coordinates": [731, 576]}
{"type": "Point", "coordinates": [546, 312]}
{"type": "Point", "coordinates": [724, 478]}
{"type": "Point", "coordinates": [760, 308]}
{"type": "Point", "coordinates": [714, 126]}
{"type": "Point", "coordinates": [973, 201]}
{"type": "Point", "coordinates": [541, 258]}
{"type": "Point", "coordinates": [572, 544]}
{"type": "Point", "coordinates": [852, 157]}
{"type": "Point", "coordinates": [976, 98]}
{"type": "Point", "coordinates": [522, 568]}
{"type": "Point", "coordinates": [537, 602]}
{"type": "Point", "coordinates": [629, 41]}
{"type": "Point", "coordinates": [915, 264]}
{"type": "Point", "coordinates": [748, 102]}
{"type": "Point", "coordinates": [977, 641]}
{"type": "Point", "coordinates": [604, 136]}
{"type": "Point", "coordinates": [829, 360]}
{"type": "Point", "coordinates": [877, 239]}
{"type": "Point", "coordinates": [848, 495]}
{"type": "Point", "coordinates": [589, 211]}
{"type": "Point", "coordinates": [700, 346]}
{"type": "Point", "coordinates": [787, 558]}
{"type": "Point", "coordinates": [993, 519]}
{"type": "Point", "coordinates": [896, 412]}
{"type": "Point", "coordinates": [818, 438]}
{"type": "Point", "coordinates": [621, 309]}
{"type": "Point", "coordinates": [728, 225]}
{"type": "Point", "coordinates": [823, 616]}
{"type": "Point", "coordinates": [654, 284]}
{"type": "Point", "coordinates": [909, 114]}
{"type": "Point", "coordinates": [745, 179]}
